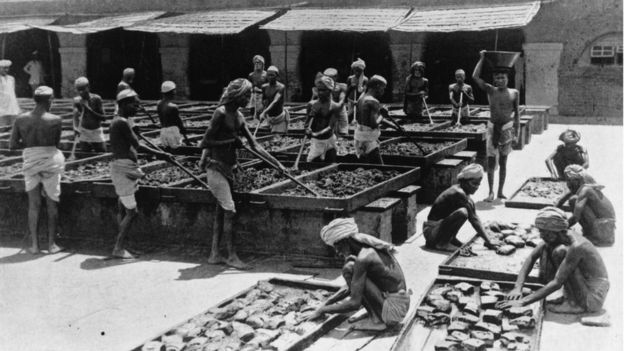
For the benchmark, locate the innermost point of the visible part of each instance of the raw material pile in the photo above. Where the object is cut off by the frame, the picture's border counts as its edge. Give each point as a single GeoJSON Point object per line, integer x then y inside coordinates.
{"type": "Point", "coordinates": [343, 183]}
{"type": "Point", "coordinates": [343, 147]}
{"type": "Point", "coordinates": [410, 149]}
{"type": "Point", "coordinates": [170, 174]}
{"type": "Point", "coordinates": [269, 317]}
{"type": "Point", "coordinates": [472, 321]}
{"type": "Point", "coordinates": [89, 170]}
{"type": "Point", "coordinates": [417, 127]}
{"type": "Point", "coordinates": [279, 142]}
{"type": "Point", "coordinates": [196, 124]}
{"type": "Point", "coordinates": [466, 128]}
{"type": "Point", "coordinates": [252, 178]}
{"type": "Point", "coordinates": [10, 169]}
{"type": "Point", "coordinates": [550, 190]}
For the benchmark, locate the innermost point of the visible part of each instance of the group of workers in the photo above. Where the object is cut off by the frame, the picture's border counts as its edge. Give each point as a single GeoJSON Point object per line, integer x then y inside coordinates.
{"type": "Point", "coordinates": [373, 275]}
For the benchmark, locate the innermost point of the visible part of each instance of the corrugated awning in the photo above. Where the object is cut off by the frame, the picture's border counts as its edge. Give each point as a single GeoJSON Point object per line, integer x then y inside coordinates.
{"type": "Point", "coordinates": [16, 24]}
{"type": "Point", "coordinates": [208, 22]}
{"type": "Point", "coordinates": [338, 19]}
{"type": "Point", "coordinates": [104, 23]}
{"type": "Point", "coordinates": [469, 18]}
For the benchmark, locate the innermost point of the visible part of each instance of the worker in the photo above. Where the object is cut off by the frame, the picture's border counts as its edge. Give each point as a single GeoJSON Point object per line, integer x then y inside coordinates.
{"type": "Point", "coordinates": [127, 78]}
{"type": "Point", "coordinates": [35, 71]}
{"type": "Point", "coordinates": [323, 114]}
{"type": "Point", "coordinates": [39, 134]}
{"type": "Point", "coordinates": [257, 78]}
{"type": "Point", "coordinates": [219, 145]}
{"type": "Point", "coordinates": [373, 276]}
{"type": "Point", "coordinates": [8, 100]}
{"type": "Point", "coordinates": [367, 130]}
{"type": "Point", "coordinates": [566, 259]}
{"type": "Point", "coordinates": [568, 153]}
{"type": "Point", "coordinates": [88, 116]}
{"type": "Point", "coordinates": [590, 207]}
{"type": "Point", "coordinates": [356, 86]}
{"type": "Point", "coordinates": [451, 209]}
{"type": "Point", "coordinates": [416, 91]}
{"type": "Point", "coordinates": [460, 91]}
{"type": "Point", "coordinates": [124, 168]}
{"type": "Point", "coordinates": [504, 124]}
{"type": "Point", "coordinates": [171, 127]}
{"type": "Point", "coordinates": [273, 103]}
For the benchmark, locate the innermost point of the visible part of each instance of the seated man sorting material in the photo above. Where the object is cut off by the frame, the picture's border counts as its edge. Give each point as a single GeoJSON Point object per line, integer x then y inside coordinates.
{"type": "Point", "coordinates": [566, 259]}
{"type": "Point", "coordinates": [373, 275]}
{"type": "Point", "coordinates": [591, 208]}
{"type": "Point", "coordinates": [39, 133]}
{"type": "Point", "coordinates": [451, 209]}
{"type": "Point", "coordinates": [568, 153]}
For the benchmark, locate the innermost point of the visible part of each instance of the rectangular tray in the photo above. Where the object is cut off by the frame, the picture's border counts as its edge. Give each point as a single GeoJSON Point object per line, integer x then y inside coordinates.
{"type": "Point", "coordinates": [415, 336]}
{"type": "Point", "coordinates": [488, 264]}
{"type": "Point", "coordinates": [519, 200]}
{"type": "Point", "coordinates": [302, 343]}
{"type": "Point", "coordinates": [273, 199]}
{"type": "Point", "coordinates": [427, 160]}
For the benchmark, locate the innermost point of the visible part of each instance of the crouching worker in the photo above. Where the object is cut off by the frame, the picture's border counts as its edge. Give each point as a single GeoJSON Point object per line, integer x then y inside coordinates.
{"type": "Point", "coordinates": [125, 171]}
{"type": "Point", "coordinates": [39, 133]}
{"type": "Point", "coordinates": [373, 275]}
{"type": "Point", "coordinates": [566, 259]}
{"type": "Point", "coordinates": [451, 209]}
{"type": "Point", "coordinates": [568, 153]}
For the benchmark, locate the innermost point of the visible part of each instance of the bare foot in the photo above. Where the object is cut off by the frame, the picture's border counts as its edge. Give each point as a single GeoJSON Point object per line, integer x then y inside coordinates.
{"type": "Point", "coordinates": [358, 317]}
{"type": "Point", "coordinates": [216, 258]}
{"type": "Point", "coordinates": [567, 308]}
{"type": "Point", "coordinates": [235, 262]}
{"type": "Point", "coordinates": [447, 247]}
{"type": "Point", "coordinates": [599, 319]}
{"type": "Point", "coordinates": [370, 325]}
{"type": "Point", "coordinates": [54, 248]}
{"type": "Point", "coordinates": [33, 250]}
{"type": "Point", "coordinates": [122, 254]}
{"type": "Point", "coordinates": [501, 196]}
{"type": "Point", "coordinates": [556, 300]}
{"type": "Point", "coordinates": [490, 198]}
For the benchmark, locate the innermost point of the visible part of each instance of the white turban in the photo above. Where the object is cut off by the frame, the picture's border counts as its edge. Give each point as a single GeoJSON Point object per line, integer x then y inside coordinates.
{"type": "Point", "coordinates": [551, 218]}
{"type": "Point", "coordinates": [323, 81]}
{"type": "Point", "coordinates": [472, 171]}
{"type": "Point", "coordinates": [126, 93]}
{"type": "Point", "coordinates": [237, 88]}
{"type": "Point", "coordinates": [128, 71]}
{"type": "Point", "coordinates": [5, 63]}
{"type": "Point", "coordinates": [359, 63]}
{"type": "Point", "coordinates": [377, 80]}
{"type": "Point", "coordinates": [167, 86]}
{"type": "Point", "coordinates": [81, 82]}
{"type": "Point", "coordinates": [330, 72]}
{"type": "Point", "coordinates": [578, 172]}
{"type": "Point", "coordinates": [273, 69]}
{"type": "Point", "coordinates": [258, 58]}
{"type": "Point", "coordinates": [570, 136]}
{"type": "Point", "coordinates": [43, 91]}
{"type": "Point", "coordinates": [343, 228]}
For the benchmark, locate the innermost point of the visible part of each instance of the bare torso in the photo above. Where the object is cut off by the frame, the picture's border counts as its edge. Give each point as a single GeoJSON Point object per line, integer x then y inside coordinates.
{"type": "Point", "coordinates": [31, 130]}
{"type": "Point", "coordinates": [369, 111]}
{"type": "Point", "coordinates": [597, 202]}
{"type": "Point", "coordinates": [382, 269]}
{"type": "Point", "coordinates": [502, 102]}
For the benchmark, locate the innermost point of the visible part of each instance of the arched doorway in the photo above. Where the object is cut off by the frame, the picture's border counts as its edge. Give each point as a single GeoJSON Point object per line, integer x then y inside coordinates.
{"type": "Point", "coordinates": [109, 52]}
{"type": "Point", "coordinates": [19, 46]}
{"type": "Point", "coordinates": [215, 60]}
{"type": "Point", "coordinates": [446, 52]}
{"type": "Point", "coordinates": [320, 50]}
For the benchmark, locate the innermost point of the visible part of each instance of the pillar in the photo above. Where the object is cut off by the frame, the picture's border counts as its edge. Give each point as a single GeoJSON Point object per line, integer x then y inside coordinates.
{"type": "Point", "coordinates": [285, 48]}
{"type": "Point", "coordinates": [174, 57]}
{"type": "Point", "coordinates": [406, 48]}
{"type": "Point", "coordinates": [73, 53]}
{"type": "Point", "coordinates": [542, 73]}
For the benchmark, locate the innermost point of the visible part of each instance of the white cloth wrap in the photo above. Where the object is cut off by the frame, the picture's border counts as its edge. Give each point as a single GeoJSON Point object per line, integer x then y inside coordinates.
{"type": "Point", "coordinates": [170, 137]}
{"type": "Point", "coordinates": [318, 147]}
{"type": "Point", "coordinates": [91, 135]}
{"type": "Point", "coordinates": [366, 139]}
{"type": "Point", "coordinates": [43, 164]}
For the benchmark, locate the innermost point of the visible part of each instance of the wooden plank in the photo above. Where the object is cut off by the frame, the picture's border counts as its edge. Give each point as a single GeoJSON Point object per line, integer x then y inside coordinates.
{"type": "Point", "coordinates": [519, 200]}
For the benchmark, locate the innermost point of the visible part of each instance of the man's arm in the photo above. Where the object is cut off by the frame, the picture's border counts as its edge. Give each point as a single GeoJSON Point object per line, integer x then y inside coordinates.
{"type": "Point", "coordinates": [584, 196]}
{"type": "Point", "coordinates": [585, 157]}
{"type": "Point", "coordinates": [77, 115]}
{"type": "Point", "coordinates": [551, 165]}
{"type": "Point", "coordinates": [527, 266]}
{"type": "Point", "coordinates": [276, 99]}
{"type": "Point", "coordinates": [567, 267]}
{"type": "Point", "coordinates": [453, 102]}
{"type": "Point", "coordinates": [475, 221]}
{"type": "Point", "coordinates": [358, 283]}
{"type": "Point", "coordinates": [476, 74]}
{"type": "Point", "coordinates": [97, 107]}
{"type": "Point", "coordinates": [468, 93]}
{"type": "Point", "coordinates": [16, 139]}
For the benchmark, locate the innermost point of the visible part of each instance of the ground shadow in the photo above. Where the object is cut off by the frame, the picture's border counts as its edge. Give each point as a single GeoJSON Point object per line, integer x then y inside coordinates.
{"type": "Point", "coordinates": [93, 263]}
{"type": "Point", "coordinates": [488, 206]}
{"type": "Point", "coordinates": [20, 257]}
{"type": "Point", "coordinates": [561, 318]}
{"type": "Point", "coordinates": [428, 249]}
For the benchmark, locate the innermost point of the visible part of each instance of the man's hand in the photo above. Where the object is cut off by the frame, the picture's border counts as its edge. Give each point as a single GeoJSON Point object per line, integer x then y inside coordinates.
{"type": "Point", "coordinates": [515, 294]}
{"type": "Point", "coordinates": [314, 315]}
{"type": "Point", "coordinates": [308, 132]}
{"type": "Point", "coordinates": [503, 305]}
{"type": "Point", "coordinates": [76, 131]}
{"type": "Point", "coordinates": [492, 244]}
{"type": "Point", "coordinates": [262, 115]}
{"type": "Point", "coordinates": [238, 143]}
{"type": "Point", "coordinates": [482, 53]}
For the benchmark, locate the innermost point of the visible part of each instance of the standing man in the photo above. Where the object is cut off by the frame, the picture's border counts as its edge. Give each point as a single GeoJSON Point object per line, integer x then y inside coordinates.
{"type": "Point", "coordinates": [339, 95]}
{"type": "Point", "coordinates": [171, 126]}
{"type": "Point", "coordinates": [566, 259]}
{"type": "Point", "coordinates": [356, 86]}
{"type": "Point", "coordinates": [34, 69]}
{"type": "Point", "coordinates": [460, 91]}
{"type": "Point", "coordinates": [220, 142]}
{"type": "Point", "coordinates": [273, 101]}
{"type": "Point", "coordinates": [591, 208]}
{"type": "Point", "coordinates": [257, 78]}
{"type": "Point", "coordinates": [373, 275]}
{"type": "Point", "coordinates": [367, 130]}
{"type": "Point", "coordinates": [127, 79]}
{"type": "Point", "coordinates": [39, 133]}
{"type": "Point", "coordinates": [324, 114]}
{"type": "Point", "coordinates": [88, 118]}
{"type": "Point", "coordinates": [124, 168]}
{"type": "Point", "coordinates": [8, 100]}
{"type": "Point", "coordinates": [503, 126]}
{"type": "Point", "coordinates": [416, 90]}
{"type": "Point", "coordinates": [568, 153]}
{"type": "Point", "coordinates": [452, 209]}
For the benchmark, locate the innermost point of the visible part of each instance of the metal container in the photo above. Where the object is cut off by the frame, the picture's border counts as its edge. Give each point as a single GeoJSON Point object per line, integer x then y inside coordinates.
{"type": "Point", "coordinates": [520, 199]}
{"type": "Point", "coordinates": [501, 59]}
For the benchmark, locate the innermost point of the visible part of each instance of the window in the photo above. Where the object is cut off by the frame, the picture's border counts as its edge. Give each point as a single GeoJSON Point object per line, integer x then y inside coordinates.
{"type": "Point", "coordinates": [602, 54]}
{"type": "Point", "coordinates": [618, 55]}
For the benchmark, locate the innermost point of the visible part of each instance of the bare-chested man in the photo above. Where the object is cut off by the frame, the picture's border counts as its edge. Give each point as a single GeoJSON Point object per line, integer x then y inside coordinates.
{"type": "Point", "coordinates": [374, 277]}
{"type": "Point", "coordinates": [88, 118]}
{"type": "Point", "coordinates": [172, 128]}
{"type": "Point", "coordinates": [257, 78]}
{"type": "Point", "coordinates": [356, 86]}
{"type": "Point", "coordinates": [591, 208]}
{"type": "Point", "coordinates": [452, 209]}
{"type": "Point", "coordinates": [566, 259]}
{"type": "Point", "coordinates": [39, 133]}
{"type": "Point", "coordinates": [367, 131]}
{"type": "Point", "coordinates": [220, 142]}
{"type": "Point", "coordinates": [416, 90]}
{"type": "Point", "coordinates": [127, 78]}
{"type": "Point", "coordinates": [568, 153]}
{"type": "Point", "coordinates": [273, 101]}
{"type": "Point", "coordinates": [8, 100]}
{"type": "Point", "coordinates": [125, 171]}
{"type": "Point", "coordinates": [504, 124]}
{"type": "Point", "coordinates": [460, 92]}
{"type": "Point", "coordinates": [324, 114]}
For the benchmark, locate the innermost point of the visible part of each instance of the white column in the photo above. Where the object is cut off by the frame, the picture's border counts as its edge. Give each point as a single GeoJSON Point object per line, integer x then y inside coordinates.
{"type": "Point", "coordinates": [174, 58]}
{"type": "Point", "coordinates": [73, 53]}
{"type": "Point", "coordinates": [542, 73]}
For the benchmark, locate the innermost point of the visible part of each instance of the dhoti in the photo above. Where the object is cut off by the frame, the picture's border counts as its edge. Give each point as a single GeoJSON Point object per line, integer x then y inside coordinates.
{"type": "Point", "coordinates": [125, 174]}
{"type": "Point", "coordinates": [395, 307]}
{"type": "Point", "coordinates": [366, 140]}
{"type": "Point", "coordinates": [279, 123]}
{"type": "Point", "coordinates": [91, 135]}
{"type": "Point", "coordinates": [43, 164]}
{"type": "Point", "coordinates": [170, 137]}
{"type": "Point", "coordinates": [499, 139]}
{"type": "Point", "coordinates": [319, 147]}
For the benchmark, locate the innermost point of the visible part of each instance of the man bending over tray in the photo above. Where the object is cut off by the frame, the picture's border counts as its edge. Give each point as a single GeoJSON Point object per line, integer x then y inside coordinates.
{"type": "Point", "coordinates": [568, 153]}
{"type": "Point", "coordinates": [591, 208]}
{"type": "Point", "coordinates": [566, 259]}
{"type": "Point", "coordinates": [373, 275]}
{"type": "Point", "coordinates": [451, 209]}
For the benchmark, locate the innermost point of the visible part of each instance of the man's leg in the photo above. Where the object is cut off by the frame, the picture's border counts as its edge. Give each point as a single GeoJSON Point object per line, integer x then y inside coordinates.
{"type": "Point", "coordinates": [502, 174]}
{"type": "Point", "coordinates": [228, 238]}
{"type": "Point", "coordinates": [330, 156]}
{"type": "Point", "coordinates": [99, 147]}
{"type": "Point", "coordinates": [34, 206]}
{"type": "Point", "coordinates": [52, 225]}
{"type": "Point", "coordinates": [372, 300]}
{"type": "Point", "coordinates": [446, 239]}
{"type": "Point", "coordinates": [374, 157]}
{"type": "Point", "coordinates": [576, 292]}
{"type": "Point", "coordinates": [490, 177]}
{"type": "Point", "coordinates": [124, 228]}
{"type": "Point", "coordinates": [217, 231]}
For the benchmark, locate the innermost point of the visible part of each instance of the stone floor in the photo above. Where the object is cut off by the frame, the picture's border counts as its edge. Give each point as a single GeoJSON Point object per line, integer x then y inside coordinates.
{"type": "Point", "coordinates": [80, 301]}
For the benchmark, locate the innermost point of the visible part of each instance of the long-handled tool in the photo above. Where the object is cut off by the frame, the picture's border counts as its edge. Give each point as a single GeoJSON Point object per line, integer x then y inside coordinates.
{"type": "Point", "coordinates": [288, 175]}
{"type": "Point", "coordinates": [149, 115]}
{"type": "Point", "coordinates": [72, 156]}
{"type": "Point", "coordinates": [257, 126]}
{"type": "Point", "coordinates": [303, 143]}
{"type": "Point", "coordinates": [459, 109]}
{"type": "Point", "coordinates": [427, 109]}
{"type": "Point", "coordinates": [398, 127]}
